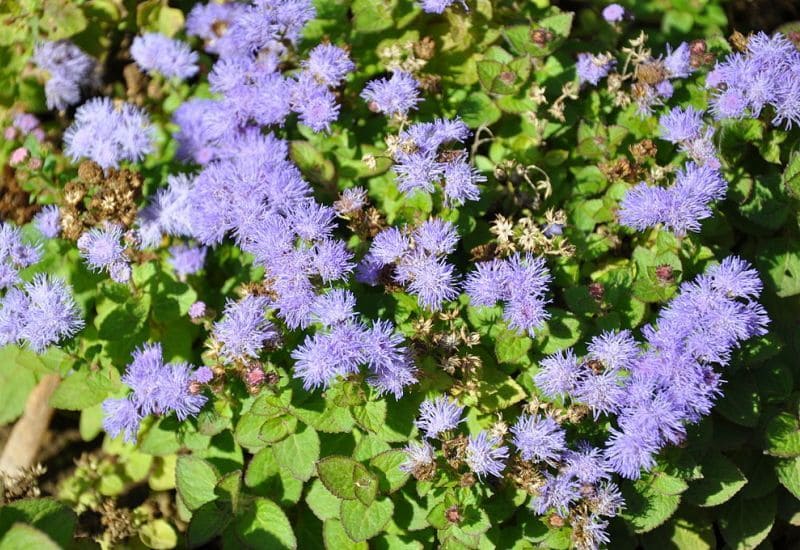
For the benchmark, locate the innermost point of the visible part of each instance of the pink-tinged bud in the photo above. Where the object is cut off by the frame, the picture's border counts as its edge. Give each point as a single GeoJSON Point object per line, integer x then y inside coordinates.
{"type": "Point", "coordinates": [35, 163]}
{"type": "Point", "coordinates": [254, 376]}
{"type": "Point", "coordinates": [38, 133]}
{"type": "Point", "coordinates": [10, 133]}
{"type": "Point", "coordinates": [18, 155]}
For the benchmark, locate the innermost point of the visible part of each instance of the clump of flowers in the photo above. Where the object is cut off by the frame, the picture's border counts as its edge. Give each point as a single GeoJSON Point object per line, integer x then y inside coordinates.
{"type": "Point", "coordinates": [156, 388]}
{"type": "Point", "coordinates": [156, 53]}
{"type": "Point", "coordinates": [71, 72]}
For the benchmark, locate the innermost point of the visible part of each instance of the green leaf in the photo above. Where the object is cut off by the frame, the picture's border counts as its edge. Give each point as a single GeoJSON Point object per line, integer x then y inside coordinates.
{"type": "Point", "coordinates": [747, 523]}
{"type": "Point", "coordinates": [478, 110]}
{"type": "Point", "coordinates": [335, 537]}
{"type": "Point", "coordinates": [24, 536]}
{"type": "Point", "coordinates": [645, 508]}
{"type": "Point", "coordinates": [15, 385]}
{"type": "Point", "coordinates": [83, 389]}
{"type": "Point", "coordinates": [62, 19]}
{"type": "Point", "coordinates": [207, 522]}
{"type": "Point", "coordinates": [323, 503]}
{"type": "Point", "coordinates": [387, 465]}
{"type": "Point", "coordinates": [791, 175]}
{"type": "Point", "coordinates": [362, 522]}
{"type": "Point", "coordinates": [511, 347]}
{"type": "Point", "coordinates": [780, 260]}
{"type": "Point", "coordinates": [49, 515]}
{"type": "Point", "coordinates": [366, 485]}
{"type": "Point", "coordinates": [783, 436]}
{"type": "Point", "coordinates": [311, 161]}
{"type": "Point", "coordinates": [158, 534]}
{"type": "Point", "coordinates": [721, 480]}
{"type": "Point", "coordinates": [371, 415]}
{"type": "Point", "coordinates": [195, 480]}
{"type": "Point", "coordinates": [680, 533]}
{"type": "Point", "coordinates": [264, 525]}
{"type": "Point", "coordinates": [372, 15]}
{"type": "Point", "coordinates": [338, 474]}
{"type": "Point", "coordinates": [788, 472]}
{"type": "Point", "coordinates": [298, 453]}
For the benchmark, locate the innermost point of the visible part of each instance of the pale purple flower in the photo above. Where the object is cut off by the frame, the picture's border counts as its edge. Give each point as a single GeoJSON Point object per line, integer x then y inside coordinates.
{"type": "Point", "coordinates": [559, 374]}
{"type": "Point", "coordinates": [197, 310]}
{"type": "Point", "coordinates": [558, 493]}
{"type": "Point", "coordinates": [187, 260]}
{"type": "Point", "coordinates": [538, 439]}
{"type": "Point", "coordinates": [613, 13]}
{"type": "Point", "coordinates": [418, 454]}
{"type": "Point", "coordinates": [615, 350]}
{"type": "Point", "coordinates": [393, 96]}
{"type": "Point", "coordinates": [48, 221]}
{"type": "Point", "coordinates": [418, 170]}
{"type": "Point", "coordinates": [334, 307]}
{"type": "Point", "coordinates": [439, 415]}
{"type": "Point", "coordinates": [389, 245]}
{"type": "Point", "coordinates": [71, 72]}
{"type": "Point", "coordinates": [103, 250]}
{"type": "Point", "coordinates": [678, 61]}
{"type": "Point", "coordinates": [121, 416]}
{"type": "Point", "coordinates": [436, 237]}
{"type": "Point", "coordinates": [244, 329]}
{"type": "Point", "coordinates": [156, 53]}
{"type": "Point", "coordinates": [591, 68]}
{"type": "Point", "coordinates": [461, 181]}
{"type": "Point", "coordinates": [681, 125]}
{"type": "Point", "coordinates": [438, 6]}
{"type": "Point", "coordinates": [431, 279]}
{"type": "Point", "coordinates": [107, 134]}
{"type": "Point", "coordinates": [51, 315]}
{"type": "Point", "coordinates": [484, 455]}
{"type": "Point", "coordinates": [329, 64]}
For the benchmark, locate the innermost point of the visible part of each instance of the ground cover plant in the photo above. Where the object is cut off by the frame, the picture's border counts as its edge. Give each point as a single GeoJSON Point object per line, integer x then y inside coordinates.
{"type": "Point", "coordinates": [399, 274]}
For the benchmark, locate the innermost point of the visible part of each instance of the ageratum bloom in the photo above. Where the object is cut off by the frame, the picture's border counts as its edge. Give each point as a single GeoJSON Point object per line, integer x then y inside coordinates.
{"type": "Point", "coordinates": [103, 250]}
{"type": "Point", "coordinates": [156, 53]}
{"type": "Point", "coordinates": [48, 221]}
{"type": "Point", "coordinates": [538, 439]}
{"type": "Point", "coordinates": [679, 208]}
{"type": "Point", "coordinates": [244, 329]}
{"type": "Point", "coordinates": [50, 314]}
{"type": "Point", "coordinates": [187, 260]}
{"type": "Point", "coordinates": [613, 13]}
{"type": "Point", "coordinates": [329, 64]}
{"type": "Point", "coordinates": [71, 72]}
{"type": "Point", "coordinates": [591, 68]}
{"type": "Point", "coordinates": [156, 388]}
{"type": "Point", "coordinates": [484, 455]}
{"type": "Point", "coordinates": [108, 134]}
{"type": "Point", "coordinates": [439, 415]}
{"type": "Point", "coordinates": [394, 96]}
{"type": "Point", "coordinates": [438, 6]}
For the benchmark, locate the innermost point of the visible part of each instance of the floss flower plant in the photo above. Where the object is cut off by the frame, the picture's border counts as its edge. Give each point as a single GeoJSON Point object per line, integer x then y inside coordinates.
{"type": "Point", "coordinates": [399, 274]}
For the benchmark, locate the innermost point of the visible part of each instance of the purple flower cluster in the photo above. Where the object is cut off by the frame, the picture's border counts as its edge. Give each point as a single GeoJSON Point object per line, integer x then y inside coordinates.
{"type": "Point", "coordinates": [655, 390]}
{"type": "Point", "coordinates": [244, 329]}
{"type": "Point", "coordinates": [156, 53]}
{"type": "Point", "coordinates": [252, 41]}
{"type": "Point", "coordinates": [685, 127]}
{"type": "Point", "coordinates": [48, 221]}
{"type": "Point", "coordinates": [424, 158]}
{"type": "Point", "coordinates": [40, 312]}
{"type": "Point", "coordinates": [187, 260]}
{"type": "Point", "coordinates": [393, 96]}
{"type": "Point", "coordinates": [157, 388]}
{"type": "Point", "coordinates": [768, 73]}
{"type": "Point", "coordinates": [108, 134]}
{"type": "Point", "coordinates": [342, 348]}
{"type": "Point", "coordinates": [14, 255]}
{"type": "Point", "coordinates": [520, 281]}
{"type": "Point", "coordinates": [681, 207]}
{"type": "Point", "coordinates": [416, 258]}
{"type": "Point", "coordinates": [438, 6]}
{"type": "Point", "coordinates": [439, 415]}
{"type": "Point", "coordinates": [103, 250]}
{"type": "Point", "coordinates": [592, 68]}
{"type": "Point", "coordinates": [71, 72]}
{"type": "Point", "coordinates": [613, 13]}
